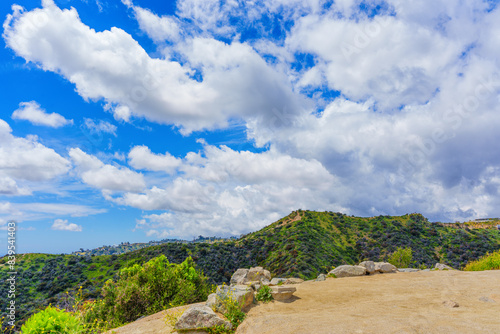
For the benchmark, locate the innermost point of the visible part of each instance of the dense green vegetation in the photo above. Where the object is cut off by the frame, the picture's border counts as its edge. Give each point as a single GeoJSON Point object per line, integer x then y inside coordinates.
{"type": "Point", "coordinates": [303, 244]}
{"type": "Point", "coordinates": [487, 262]}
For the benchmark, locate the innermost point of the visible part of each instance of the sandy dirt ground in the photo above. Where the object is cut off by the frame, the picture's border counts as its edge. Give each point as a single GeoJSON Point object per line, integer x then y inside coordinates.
{"type": "Point", "coordinates": [386, 303]}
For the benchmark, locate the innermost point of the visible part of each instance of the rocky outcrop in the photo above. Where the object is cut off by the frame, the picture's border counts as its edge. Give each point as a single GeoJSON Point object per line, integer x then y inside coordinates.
{"type": "Point", "coordinates": [282, 292]}
{"type": "Point", "coordinates": [239, 276]}
{"type": "Point", "coordinates": [369, 266]}
{"type": "Point", "coordinates": [293, 280]}
{"type": "Point", "coordinates": [348, 271]}
{"type": "Point", "coordinates": [241, 294]}
{"type": "Point", "coordinates": [277, 280]}
{"type": "Point", "coordinates": [321, 277]}
{"type": "Point", "coordinates": [442, 266]}
{"type": "Point", "coordinates": [251, 276]}
{"type": "Point", "coordinates": [384, 267]}
{"type": "Point", "coordinates": [200, 317]}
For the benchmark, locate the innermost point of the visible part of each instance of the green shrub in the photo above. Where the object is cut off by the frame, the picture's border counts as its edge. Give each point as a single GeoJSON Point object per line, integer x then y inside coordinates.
{"type": "Point", "coordinates": [54, 321]}
{"type": "Point", "coordinates": [231, 308]}
{"type": "Point", "coordinates": [144, 290]}
{"type": "Point", "coordinates": [401, 258]}
{"type": "Point", "coordinates": [264, 294]}
{"type": "Point", "coordinates": [487, 262]}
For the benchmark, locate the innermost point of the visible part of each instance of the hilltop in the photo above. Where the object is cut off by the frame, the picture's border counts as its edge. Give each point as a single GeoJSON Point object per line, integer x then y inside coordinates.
{"type": "Point", "coordinates": [303, 244]}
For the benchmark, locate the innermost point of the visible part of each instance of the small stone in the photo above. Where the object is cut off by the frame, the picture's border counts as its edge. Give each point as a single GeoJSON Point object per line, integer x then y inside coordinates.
{"type": "Point", "coordinates": [450, 304]}
{"type": "Point", "coordinates": [408, 270]}
{"type": "Point", "coordinates": [486, 300]}
{"type": "Point", "coordinates": [281, 292]}
{"type": "Point", "coordinates": [321, 277]}
{"type": "Point", "coordinates": [442, 266]}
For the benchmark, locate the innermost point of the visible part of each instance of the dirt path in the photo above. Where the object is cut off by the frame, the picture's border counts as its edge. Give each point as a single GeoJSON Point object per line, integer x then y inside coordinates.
{"type": "Point", "coordinates": [389, 303]}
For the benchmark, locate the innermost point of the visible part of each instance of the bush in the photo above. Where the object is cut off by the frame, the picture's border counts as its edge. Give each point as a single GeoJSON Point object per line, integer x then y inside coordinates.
{"type": "Point", "coordinates": [144, 290]}
{"type": "Point", "coordinates": [52, 320]}
{"type": "Point", "coordinates": [487, 262]}
{"type": "Point", "coordinates": [264, 294]}
{"type": "Point", "coordinates": [401, 258]}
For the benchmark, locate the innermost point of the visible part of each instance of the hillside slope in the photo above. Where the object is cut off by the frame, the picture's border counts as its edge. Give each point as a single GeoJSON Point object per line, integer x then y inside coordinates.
{"type": "Point", "coordinates": [303, 244]}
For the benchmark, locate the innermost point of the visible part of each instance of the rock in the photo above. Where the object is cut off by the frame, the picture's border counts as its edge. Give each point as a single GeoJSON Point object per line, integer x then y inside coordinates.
{"type": "Point", "coordinates": [282, 292]}
{"type": "Point", "coordinates": [348, 271]}
{"type": "Point", "coordinates": [369, 266]}
{"type": "Point", "coordinates": [408, 270]}
{"type": "Point", "coordinates": [450, 304]}
{"type": "Point", "coordinates": [258, 273]}
{"type": "Point", "coordinates": [276, 281]}
{"type": "Point", "coordinates": [442, 266]}
{"type": "Point", "coordinates": [384, 267]}
{"type": "Point", "coordinates": [211, 300]}
{"type": "Point", "coordinates": [242, 294]}
{"type": "Point", "coordinates": [239, 276]}
{"type": "Point", "coordinates": [198, 317]}
{"type": "Point", "coordinates": [321, 277]}
{"type": "Point", "coordinates": [293, 280]}
{"type": "Point", "coordinates": [426, 270]}
{"type": "Point", "coordinates": [486, 299]}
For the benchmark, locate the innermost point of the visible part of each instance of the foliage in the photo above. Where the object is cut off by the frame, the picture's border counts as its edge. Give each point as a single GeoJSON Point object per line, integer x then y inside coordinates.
{"type": "Point", "coordinates": [143, 290]}
{"type": "Point", "coordinates": [264, 294]}
{"type": "Point", "coordinates": [402, 257]}
{"type": "Point", "coordinates": [487, 262]}
{"type": "Point", "coordinates": [52, 320]}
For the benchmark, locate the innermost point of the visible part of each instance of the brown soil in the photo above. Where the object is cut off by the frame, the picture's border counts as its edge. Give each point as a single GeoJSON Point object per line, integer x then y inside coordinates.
{"type": "Point", "coordinates": [388, 303]}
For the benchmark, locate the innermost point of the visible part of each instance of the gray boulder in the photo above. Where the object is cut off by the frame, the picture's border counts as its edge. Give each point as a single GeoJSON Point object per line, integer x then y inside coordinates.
{"type": "Point", "coordinates": [384, 267]}
{"type": "Point", "coordinates": [348, 271]}
{"type": "Point", "coordinates": [276, 281]}
{"type": "Point", "coordinates": [257, 274]}
{"type": "Point", "coordinates": [199, 317]}
{"type": "Point", "coordinates": [211, 300]}
{"type": "Point", "coordinates": [369, 266]}
{"type": "Point", "coordinates": [239, 276]}
{"type": "Point", "coordinates": [442, 266]}
{"type": "Point", "coordinates": [321, 277]}
{"type": "Point", "coordinates": [408, 270]}
{"type": "Point", "coordinates": [282, 292]}
{"type": "Point", "coordinates": [293, 280]}
{"type": "Point", "coordinates": [242, 294]}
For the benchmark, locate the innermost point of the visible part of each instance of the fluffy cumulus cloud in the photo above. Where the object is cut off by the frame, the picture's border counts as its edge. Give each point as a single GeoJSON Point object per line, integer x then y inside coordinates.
{"type": "Point", "coordinates": [105, 177]}
{"type": "Point", "coordinates": [64, 225]}
{"type": "Point", "coordinates": [373, 108]}
{"type": "Point", "coordinates": [32, 112]}
{"type": "Point", "coordinates": [25, 160]}
{"type": "Point", "coordinates": [111, 66]}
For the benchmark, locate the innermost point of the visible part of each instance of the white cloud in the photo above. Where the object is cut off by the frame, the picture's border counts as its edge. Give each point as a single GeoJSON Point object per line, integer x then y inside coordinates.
{"type": "Point", "coordinates": [111, 66]}
{"type": "Point", "coordinates": [99, 127]}
{"type": "Point", "coordinates": [32, 112]}
{"type": "Point", "coordinates": [27, 159]}
{"type": "Point", "coordinates": [140, 157]}
{"type": "Point", "coordinates": [105, 177]}
{"type": "Point", "coordinates": [8, 186]}
{"type": "Point", "coordinates": [63, 225]}
{"type": "Point", "coordinates": [159, 29]}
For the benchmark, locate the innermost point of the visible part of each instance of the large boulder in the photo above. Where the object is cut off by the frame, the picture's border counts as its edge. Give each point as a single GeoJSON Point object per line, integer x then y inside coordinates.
{"type": "Point", "coordinates": [348, 271]}
{"type": "Point", "coordinates": [258, 274]}
{"type": "Point", "coordinates": [239, 276]}
{"type": "Point", "coordinates": [282, 292]}
{"type": "Point", "coordinates": [241, 294]}
{"type": "Point", "coordinates": [442, 266]}
{"type": "Point", "coordinates": [293, 280]}
{"type": "Point", "coordinates": [199, 317]}
{"type": "Point", "coordinates": [369, 266]}
{"type": "Point", "coordinates": [385, 267]}
{"type": "Point", "coordinates": [277, 280]}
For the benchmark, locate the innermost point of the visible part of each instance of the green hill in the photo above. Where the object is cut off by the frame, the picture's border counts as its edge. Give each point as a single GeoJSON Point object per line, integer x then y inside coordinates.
{"type": "Point", "coordinates": [303, 244]}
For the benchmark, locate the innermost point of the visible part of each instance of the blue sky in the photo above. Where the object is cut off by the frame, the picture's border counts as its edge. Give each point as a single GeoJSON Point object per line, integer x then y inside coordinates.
{"type": "Point", "coordinates": [142, 120]}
